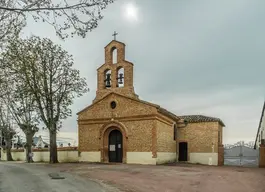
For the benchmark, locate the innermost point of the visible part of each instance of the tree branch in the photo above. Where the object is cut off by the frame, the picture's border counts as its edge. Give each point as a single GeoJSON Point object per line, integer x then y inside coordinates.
{"type": "Point", "coordinates": [76, 6]}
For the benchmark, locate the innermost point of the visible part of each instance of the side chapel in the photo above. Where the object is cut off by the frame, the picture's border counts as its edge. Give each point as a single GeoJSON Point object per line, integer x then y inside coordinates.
{"type": "Point", "coordinates": [120, 127]}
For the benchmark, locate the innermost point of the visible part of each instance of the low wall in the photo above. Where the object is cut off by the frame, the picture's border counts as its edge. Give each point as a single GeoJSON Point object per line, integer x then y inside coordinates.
{"type": "Point", "coordinates": [90, 156]}
{"type": "Point", "coordinates": [204, 158]}
{"type": "Point", "coordinates": [65, 154]}
{"type": "Point", "coordinates": [71, 154]}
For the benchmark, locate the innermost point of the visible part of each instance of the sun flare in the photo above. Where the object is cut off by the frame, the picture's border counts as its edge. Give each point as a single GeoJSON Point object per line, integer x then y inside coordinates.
{"type": "Point", "coordinates": [130, 12]}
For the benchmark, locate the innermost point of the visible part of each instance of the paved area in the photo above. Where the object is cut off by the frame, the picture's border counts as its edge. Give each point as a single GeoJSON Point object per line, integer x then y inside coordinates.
{"type": "Point", "coordinates": [175, 178]}
{"type": "Point", "coordinates": [22, 177]}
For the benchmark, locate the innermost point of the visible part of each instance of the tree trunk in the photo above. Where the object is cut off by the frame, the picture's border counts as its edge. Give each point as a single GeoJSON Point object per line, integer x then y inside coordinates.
{"type": "Point", "coordinates": [8, 150]}
{"type": "Point", "coordinates": [53, 147]}
{"type": "Point", "coordinates": [29, 138]}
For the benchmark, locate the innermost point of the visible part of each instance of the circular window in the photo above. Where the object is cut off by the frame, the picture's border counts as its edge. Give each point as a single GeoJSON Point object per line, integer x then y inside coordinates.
{"type": "Point", "coordinates": [113, 105]}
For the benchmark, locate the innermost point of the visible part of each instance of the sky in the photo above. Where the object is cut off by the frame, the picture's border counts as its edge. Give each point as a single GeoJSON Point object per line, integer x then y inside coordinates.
{"type": "Point", "coordinates": [200, 57]}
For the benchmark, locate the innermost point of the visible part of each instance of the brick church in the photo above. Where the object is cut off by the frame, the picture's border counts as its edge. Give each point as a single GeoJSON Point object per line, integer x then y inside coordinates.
{"type": "Point", "coordinates": [120, 127]}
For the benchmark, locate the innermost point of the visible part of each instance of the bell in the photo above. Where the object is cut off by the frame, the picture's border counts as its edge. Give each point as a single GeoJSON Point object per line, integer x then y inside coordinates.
{"type": "Point", "coordinates": [107, 80]}
{"type": "Point", "coordinates": [108, 84]}
{"type": "Point", "coordinates": [120, 78]}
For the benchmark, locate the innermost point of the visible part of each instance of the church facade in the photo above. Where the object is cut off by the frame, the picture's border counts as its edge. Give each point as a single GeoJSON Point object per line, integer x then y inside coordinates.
{"type": "Point", "coordinates": [120, 127]}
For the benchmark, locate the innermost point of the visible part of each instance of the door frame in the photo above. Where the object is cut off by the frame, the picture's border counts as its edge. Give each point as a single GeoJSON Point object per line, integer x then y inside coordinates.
{"type": "Point", "coordinates": [187, 155]}
{"type": "Point", "coordinates": [116, 134]}
{"type": "Point", "coordinates": [104, 140]}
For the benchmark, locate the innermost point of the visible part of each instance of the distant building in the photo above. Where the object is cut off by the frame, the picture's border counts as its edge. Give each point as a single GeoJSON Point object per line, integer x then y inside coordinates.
{"type": "Point", "coordinates": [63, 139]}
{"type": "Point", "coordinates": [39, 143]}
{"type": "Point", "coordinates": [260, 133]}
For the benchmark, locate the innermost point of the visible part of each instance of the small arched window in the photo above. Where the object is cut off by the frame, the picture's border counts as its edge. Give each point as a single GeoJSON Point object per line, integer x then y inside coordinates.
{"type": "Point", "coordinates": [114, 55]}
{"type": "Point", "coordinates": [107, 79]}
{"type": "Point", "coordinates": [120, 77]}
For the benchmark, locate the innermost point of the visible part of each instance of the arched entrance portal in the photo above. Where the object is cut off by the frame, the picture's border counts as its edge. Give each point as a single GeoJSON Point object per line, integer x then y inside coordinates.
{"type": "Point", "coordinates": [115, 146]}
{"type": "Point", "coordinates": [105, 136]}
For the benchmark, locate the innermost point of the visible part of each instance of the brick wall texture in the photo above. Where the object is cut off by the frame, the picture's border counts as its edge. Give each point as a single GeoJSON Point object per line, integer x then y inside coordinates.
{"type": "Point", "coordinates": [201, 137]}
{"type": "Point", "coordinates": [165, 137]}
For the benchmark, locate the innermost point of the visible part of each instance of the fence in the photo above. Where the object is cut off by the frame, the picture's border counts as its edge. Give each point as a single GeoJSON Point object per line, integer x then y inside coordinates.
{"type": "Point", "coordinates": [241, 154]}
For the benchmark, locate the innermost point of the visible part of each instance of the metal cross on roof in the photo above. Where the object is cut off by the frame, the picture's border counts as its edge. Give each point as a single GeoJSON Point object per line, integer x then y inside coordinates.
{"type": "Point", "coordinates": [115, 34]}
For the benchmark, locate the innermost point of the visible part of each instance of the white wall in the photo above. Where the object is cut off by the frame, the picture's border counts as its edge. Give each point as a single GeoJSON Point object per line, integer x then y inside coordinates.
{"type": "Point", "coordinates": [204, 158]}
{"type": "Point", "coordinates": [140, 158]}
{"type": "Point", "coordinates": [132, 157]}
{"type": "Point", "coordinates": [17, 156]}
{"type": "Point", "coordinates": [165, 157]}
{"type": "Point", "coordinates": [44, 156]}
{"type": "Point", "coordinates": [91, 156]}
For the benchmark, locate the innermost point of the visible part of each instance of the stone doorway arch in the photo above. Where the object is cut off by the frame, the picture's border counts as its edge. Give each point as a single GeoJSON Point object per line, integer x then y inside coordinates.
{"type": "Point", "coordinates": [104, 136]}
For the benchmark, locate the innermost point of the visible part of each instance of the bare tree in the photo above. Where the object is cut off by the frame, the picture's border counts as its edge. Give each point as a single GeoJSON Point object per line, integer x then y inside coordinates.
{"type": "Point", "coordinates": [21, 106]}
{"type": "Point", "coordinates": [49, 76]}
{"type": "Point", "coordinates": [68, 17]}
{"type": "Point", "coordinates": [7, 130]}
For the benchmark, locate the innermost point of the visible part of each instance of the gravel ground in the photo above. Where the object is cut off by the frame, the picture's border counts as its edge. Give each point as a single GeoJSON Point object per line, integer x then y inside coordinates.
{"type": "Point", "coordinates": [174, 178]}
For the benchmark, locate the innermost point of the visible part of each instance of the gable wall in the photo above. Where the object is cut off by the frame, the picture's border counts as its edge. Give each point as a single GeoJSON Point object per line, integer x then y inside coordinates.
{"type": "Point", "coordinates": [125, 108]}
{"type": "Point", "coordinates": [127, 91]}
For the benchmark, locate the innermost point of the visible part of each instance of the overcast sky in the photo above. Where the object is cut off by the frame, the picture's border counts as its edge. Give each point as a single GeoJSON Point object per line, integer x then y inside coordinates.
{"type": "Point", "coordinates": [191, 57]}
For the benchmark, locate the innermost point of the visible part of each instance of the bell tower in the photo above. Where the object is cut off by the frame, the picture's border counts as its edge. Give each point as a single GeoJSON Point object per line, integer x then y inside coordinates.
{"type": "Point", "coordinates": [116, 74]}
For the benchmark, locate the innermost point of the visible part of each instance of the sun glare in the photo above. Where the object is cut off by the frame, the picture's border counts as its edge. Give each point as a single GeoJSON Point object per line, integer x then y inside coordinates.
{"type": "Point", "coordinates": [130, 12]}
